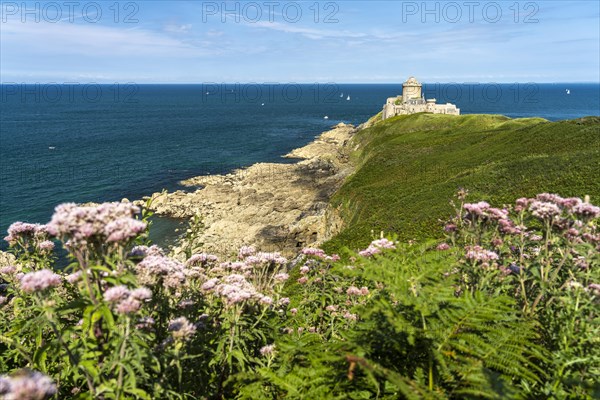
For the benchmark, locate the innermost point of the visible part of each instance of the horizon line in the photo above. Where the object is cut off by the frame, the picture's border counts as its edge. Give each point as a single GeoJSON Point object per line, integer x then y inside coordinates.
{"type": "Point", "coordinates": [288, 82]}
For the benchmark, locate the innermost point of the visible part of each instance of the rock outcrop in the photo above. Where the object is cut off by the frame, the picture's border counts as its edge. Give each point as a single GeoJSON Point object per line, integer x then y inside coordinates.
{"type": "Point", "coordinates": [273, 206]}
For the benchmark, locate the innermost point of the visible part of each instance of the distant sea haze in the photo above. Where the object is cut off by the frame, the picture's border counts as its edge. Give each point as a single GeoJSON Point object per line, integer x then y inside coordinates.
{"type": "Point", "coordinates": [82, 143]}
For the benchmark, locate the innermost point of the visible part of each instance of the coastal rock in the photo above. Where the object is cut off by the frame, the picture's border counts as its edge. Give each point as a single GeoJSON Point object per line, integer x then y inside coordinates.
{"type": "Point", "coordinates": [272, 206]}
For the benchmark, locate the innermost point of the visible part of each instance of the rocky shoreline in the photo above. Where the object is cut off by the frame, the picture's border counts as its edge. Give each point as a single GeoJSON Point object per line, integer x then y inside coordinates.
{"type": "Point", "coordinates": [272, 206]}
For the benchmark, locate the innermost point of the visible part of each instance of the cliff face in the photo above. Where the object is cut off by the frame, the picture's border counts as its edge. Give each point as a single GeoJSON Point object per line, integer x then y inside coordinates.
{"type": "Point", "coordinates": [275, 207]}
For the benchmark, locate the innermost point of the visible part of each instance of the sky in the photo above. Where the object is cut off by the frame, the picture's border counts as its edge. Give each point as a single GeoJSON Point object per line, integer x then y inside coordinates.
{"type": "Point", "coordinates": [303, 42]}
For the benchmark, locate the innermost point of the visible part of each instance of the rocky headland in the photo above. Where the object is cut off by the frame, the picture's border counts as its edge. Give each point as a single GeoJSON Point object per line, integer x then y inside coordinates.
{"type": "Point", "coordinates": [273, 206]}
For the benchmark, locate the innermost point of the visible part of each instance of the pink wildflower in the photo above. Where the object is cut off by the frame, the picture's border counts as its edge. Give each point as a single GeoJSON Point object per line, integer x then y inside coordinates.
{"type": "Point", "coordinates": [369, 251]}
{"type": "Point", "coordinates": [383, 244]}
{"type": "Point", "coordinates": [74, 277]}
{"type": "Point", "coordinates": [8, 270]}
{"type": "Point", "coordinates": [123, 229]}
{"type": "Point", "coordinates": [353, 291]}
{"type": "Point", "coordinates": [284, 301]}
{"type": "Point", "coordinates": [334, 257]}
{"type": "Point", "coordinates": [497, 242]}
{"type": "Point", "coordinates": [128, 306]}
{"type": "Point", "coordinates": [544, 210]}
{"type": "Point", "coordinates": [304, 269]}
{"type": "Point", "coordinates": [571, 202]}
{"type": "Point", "coordinates": [521, 204]}
{"type": "Point", "coordinates": [442, 247]}
{"type": "Point", "coordinates": [550, 198]}
{"type": "Point", "coordinates": [145, 323]}
{"type": "Point", "coordinates": [116, 294]}
{"type": "Point", "coordinates": [20, 229]}
{"type": "Point", "coordinates": [376, 246]}
{"type": "Point", "coordinates": [210, 284]}
{"type": "Point", "coordinates": [309, 251]}
{"type": "Point", "coordinates": [275, 258]}
{"type": "Point", "coordinates": [46, 246]}
{"type": "Point", "coordinates": [79, 224]}
{"type": "Point", "coordinates": [450, 228]}
{"type": "Point", "coordinates": [350, 317]}
{"type": "Point", "coordinates": [586, 210]}
{"type": "Point", "coordinates": [294, 311]}
{"type": "Point", "coordinates": [281, 277]}
{"type": "Point", "coordinates": [181, 328]}
{"type": "Point", "coordinates": [141, 293]}
{"type": "Point", "coordinates": [158, 265]}
{"type": "Point", "coordinates": [478, 254]}
{"type": "Point", "coordinates": [202, 258]}
{"type": "Point", "coordinates": [39, 280]}
{"type": "Point", "coordinates": [303, 280]}
{"type": "Point", "coordinates": [32, 385]}
{"type": "Point", "coordinates": [476, 209]}
{"type": "Point", "coordinates": [507, 226]}
{"type": "Point", "coordinates": [594, 288]}
{"type": "Point", "coordinates": [268, 350]}
{"type": "Point", "coordinates": [246, 251]}
{"type": "Point", "coordinates": [185, 303]}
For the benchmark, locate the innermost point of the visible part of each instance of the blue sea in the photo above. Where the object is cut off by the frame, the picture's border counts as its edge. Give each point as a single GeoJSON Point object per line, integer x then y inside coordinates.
{"type": "Point", "coordinates": [82, 143]}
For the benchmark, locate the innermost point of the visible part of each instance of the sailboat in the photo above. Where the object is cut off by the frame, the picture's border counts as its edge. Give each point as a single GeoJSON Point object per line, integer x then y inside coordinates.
{"type": "Point", "coordinates": [568, 91]}
{"type": "Point", "coordinates": [348, 98]}
{"type": "Point", "coordinates": [342, 95]}
{"type": "Point", "coordinates": [326, 117]}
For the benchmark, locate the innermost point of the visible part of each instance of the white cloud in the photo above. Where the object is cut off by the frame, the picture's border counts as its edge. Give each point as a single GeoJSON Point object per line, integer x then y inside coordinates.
{"type": "Point", "coordinates": [64, 38]}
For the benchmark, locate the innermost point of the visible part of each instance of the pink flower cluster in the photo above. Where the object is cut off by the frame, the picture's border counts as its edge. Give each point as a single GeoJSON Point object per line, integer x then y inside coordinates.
{"type": "Point", "coordinates": [127, 301]}
{"type": "Point", "coordinates": [544, 210]}
{"type": "Point", "coordinates": [354, 291]}
{"type": "Point", "coordinates": [39, 281]}
{"type": "Point", "coordinates": [281, 277]}
{"type": "Point", "coordinates": [202, 259]}
{"type": "Point", "coordinates": [235, 289]}
{"type": "Point", "coordinates": [181, 328]}
{"type": "Point", "coordinates": [20, 230]}
{"type": "Point", "coordinates": [8, 270]}
{"type": "Point", "coordinates": [586, 210]}
{"type": "Point", "coordinates": [318, 253]}
{"type": "Point", "coordinates": [479, 254]}
{"type": "Point", "coordinates": [443, 247]}
{"type": "Point", "coordinates": [246, 251]}
{"type": "Point", "coordinates": [112, 222]}
{"type": "Point", "coordinates": [45, 246]}
{"type": "Point", "coordinates": [268, 350]}
{"type": "Point", "coordinates": [314, 252]}
{"type": "Point", "coordinates": [74, 277]}
{"type": "Point", "coordinates": [376, 247]}
{"type": "Point", "coordinates": [483, 210]}
{"type": "Point", "coordinates": [32, 385]}
{"type": "Point", "coordinates": [123, 229]}
{"type": "Point", "coordinates": [173, 273]}
{"type": "Point", "coordinates": [547, 205]}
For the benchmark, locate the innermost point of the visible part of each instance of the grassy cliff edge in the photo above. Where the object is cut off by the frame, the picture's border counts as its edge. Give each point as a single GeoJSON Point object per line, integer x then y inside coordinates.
{"type": "Point", "coordinates": [409, 167]}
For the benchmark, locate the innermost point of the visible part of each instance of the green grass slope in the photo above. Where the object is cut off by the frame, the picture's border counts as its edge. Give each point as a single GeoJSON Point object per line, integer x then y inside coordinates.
{"type": "Point", "coordinates": [409, 167]}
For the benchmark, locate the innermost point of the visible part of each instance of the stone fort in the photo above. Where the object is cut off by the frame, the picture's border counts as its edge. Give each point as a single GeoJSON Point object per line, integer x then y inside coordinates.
{"type": "Point", "coordinates": [413, 101]}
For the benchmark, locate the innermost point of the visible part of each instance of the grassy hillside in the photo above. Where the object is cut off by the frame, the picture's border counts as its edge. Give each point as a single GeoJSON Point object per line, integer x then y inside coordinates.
{"type": "Point", "coordinates": [409, 167]}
